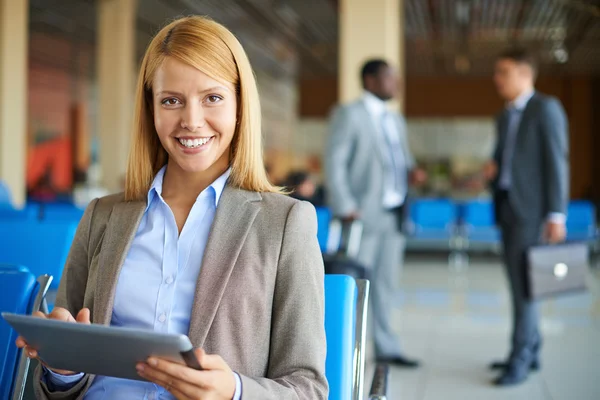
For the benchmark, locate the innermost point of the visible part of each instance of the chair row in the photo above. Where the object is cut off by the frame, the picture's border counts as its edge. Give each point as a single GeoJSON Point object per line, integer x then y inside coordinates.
{"type": "Point", "coordinates": [43, 246]}
{"type": "Point", "coordinates": [41, 211]}
{"type": "Point", "coordinates": [443, 223]}
{"type": "Point", "coordinates": [346, 304]}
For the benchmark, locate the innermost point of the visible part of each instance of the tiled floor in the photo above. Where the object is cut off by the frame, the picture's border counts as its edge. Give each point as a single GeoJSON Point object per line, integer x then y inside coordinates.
{"type": "Point", "coordinates": [456, 322]}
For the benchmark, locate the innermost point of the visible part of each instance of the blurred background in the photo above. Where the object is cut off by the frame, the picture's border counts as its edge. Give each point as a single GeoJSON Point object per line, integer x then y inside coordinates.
{"type": "Point", "coordinates": [77, 61]}
{"type": "Point", "coordinates": [67, 74]}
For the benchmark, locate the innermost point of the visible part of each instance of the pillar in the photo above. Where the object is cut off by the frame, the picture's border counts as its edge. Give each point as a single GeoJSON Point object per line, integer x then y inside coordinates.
{"type": "Point", "coordinates": [116, 87]}
{"type": "Point", "coordinates": [369, 29]}
{"type": "Point", "coordinates": [14, 37]}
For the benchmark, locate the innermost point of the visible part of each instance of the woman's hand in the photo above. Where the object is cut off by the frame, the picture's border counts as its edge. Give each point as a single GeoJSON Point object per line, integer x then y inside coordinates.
{"type": "Point", "coordinates": [215, 382]}
{"type": "Point", "coordinates": [61, 314]}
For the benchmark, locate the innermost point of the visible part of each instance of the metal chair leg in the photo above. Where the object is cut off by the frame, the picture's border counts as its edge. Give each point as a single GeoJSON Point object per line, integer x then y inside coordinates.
{"type": "Point", "coordinates": [39, 304]}
{"type": "Point", "coordinates": [360, 339]}
{"type": "Point", "coordinates": [380, 383]}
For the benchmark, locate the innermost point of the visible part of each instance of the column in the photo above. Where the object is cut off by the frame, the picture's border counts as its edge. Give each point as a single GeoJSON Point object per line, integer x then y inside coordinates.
{"type": "Point", "coordinates": [14, 37]}
{"type": "Point", "coordinates": [116, 86]}
{"type": "Point", "coordinates": [368, 29]}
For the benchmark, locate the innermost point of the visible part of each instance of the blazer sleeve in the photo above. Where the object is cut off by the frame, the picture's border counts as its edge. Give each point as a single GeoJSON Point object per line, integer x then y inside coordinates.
{"type": "Point", "coordinates": [339, 151]}
{"type": "Point", "coordinates": [298, 346]}
{"type": "Point", "coordinates": [555, 141]}
{"type": "Point", "coordinates": [70, 295]}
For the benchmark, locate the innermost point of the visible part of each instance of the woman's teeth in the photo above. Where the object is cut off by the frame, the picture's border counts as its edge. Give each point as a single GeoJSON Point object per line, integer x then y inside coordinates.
{"type": "Point", "coordinates": [193, 143]}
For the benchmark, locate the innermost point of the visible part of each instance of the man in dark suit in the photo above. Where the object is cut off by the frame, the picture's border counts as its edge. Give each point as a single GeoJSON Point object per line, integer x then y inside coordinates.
{"type": "Point", "coordinates": [530, 179]}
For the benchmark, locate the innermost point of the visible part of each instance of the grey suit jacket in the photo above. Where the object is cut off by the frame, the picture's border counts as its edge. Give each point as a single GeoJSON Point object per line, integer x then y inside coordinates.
{"type": "Point", "coordinates": [355, 162]}
{"type": "Point", "coordinates": [540, 163]}
{"type": "Point", "coordinates": [259, 300]}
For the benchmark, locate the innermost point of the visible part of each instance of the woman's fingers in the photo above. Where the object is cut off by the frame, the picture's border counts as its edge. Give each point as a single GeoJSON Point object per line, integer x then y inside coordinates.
{"type": "Point", "coordinates": [83, 316]}
{"type": "Point", "coordinates": [61, 314]}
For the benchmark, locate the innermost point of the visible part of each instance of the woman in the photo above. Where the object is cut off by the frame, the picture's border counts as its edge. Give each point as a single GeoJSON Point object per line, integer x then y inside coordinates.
{"type": "Point", "coordinates": [200, 243]}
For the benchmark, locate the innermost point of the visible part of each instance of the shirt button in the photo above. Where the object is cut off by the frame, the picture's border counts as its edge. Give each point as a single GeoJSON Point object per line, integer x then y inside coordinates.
{"type": "Point", "coordinates": [169, 280]}
{"type": "Point", "coordinates": [162, 317]}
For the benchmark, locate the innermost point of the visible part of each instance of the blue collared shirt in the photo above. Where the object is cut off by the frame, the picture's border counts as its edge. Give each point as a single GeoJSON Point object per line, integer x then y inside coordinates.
{"type": "Point", "coordinates": [515, 110]}
{"type": "Point", "coordinates": [157, 282]}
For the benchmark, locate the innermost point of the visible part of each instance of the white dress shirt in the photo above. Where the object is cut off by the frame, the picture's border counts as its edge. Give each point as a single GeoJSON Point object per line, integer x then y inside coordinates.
{"type": "Point", "coordinates": [388, 139]}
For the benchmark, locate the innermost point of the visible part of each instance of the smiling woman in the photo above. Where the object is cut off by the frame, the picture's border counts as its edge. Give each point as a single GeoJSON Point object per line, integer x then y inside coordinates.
{"type": "Point", "coordinates": [200, 243]}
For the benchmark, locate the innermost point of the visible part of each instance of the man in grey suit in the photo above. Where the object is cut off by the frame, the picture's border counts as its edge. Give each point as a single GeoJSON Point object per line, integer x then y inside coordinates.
{"type": "Point", "coordinates": [368, 168]}
{"type": "Point", "coordinates": [530, 181]}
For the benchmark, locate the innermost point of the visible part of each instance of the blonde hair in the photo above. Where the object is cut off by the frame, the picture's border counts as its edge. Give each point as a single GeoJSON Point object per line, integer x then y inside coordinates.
{"type": "Point", "coordinates": [214, 50]}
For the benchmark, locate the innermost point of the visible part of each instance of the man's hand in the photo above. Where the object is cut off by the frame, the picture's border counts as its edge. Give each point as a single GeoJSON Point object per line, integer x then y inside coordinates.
{"type": "Point", "coordinates": [490, 171]}
{"type": "Point", "coordinates": [555, 232]}
{"type": "Point", "coordinates": [353, 216]}
{"type": "Point", "coordinates": [418, 177]}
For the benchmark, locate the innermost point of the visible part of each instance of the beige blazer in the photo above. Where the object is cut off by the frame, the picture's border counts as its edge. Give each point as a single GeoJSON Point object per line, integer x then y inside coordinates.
{"type": "Point", "coordinates": [259, 300]}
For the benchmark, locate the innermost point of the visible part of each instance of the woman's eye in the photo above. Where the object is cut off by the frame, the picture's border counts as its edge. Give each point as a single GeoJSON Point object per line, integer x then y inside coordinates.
{"type": "Point", "coordinates": [171, 101]}
{"type": "Point", "coordinates": [213, 99]}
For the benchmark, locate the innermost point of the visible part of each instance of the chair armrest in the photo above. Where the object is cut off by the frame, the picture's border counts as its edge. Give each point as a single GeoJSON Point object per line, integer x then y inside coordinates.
{"type": "Point", "coordinates": [360, 337]}
{"type": "Point", "coordinates": [380, 382]}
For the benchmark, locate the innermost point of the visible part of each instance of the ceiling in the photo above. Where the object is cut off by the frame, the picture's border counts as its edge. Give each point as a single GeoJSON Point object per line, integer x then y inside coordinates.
{"type": "Point", "coordinates": [291, 37]}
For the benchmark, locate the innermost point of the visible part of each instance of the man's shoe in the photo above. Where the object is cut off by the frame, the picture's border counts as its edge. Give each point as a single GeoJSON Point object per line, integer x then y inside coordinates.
{"type": "Point", "coordinates": [398, 361]}
{"type": "Point", "coordinates": [514, 374]}
{"type": "Point", "coordinates": [535, 365]}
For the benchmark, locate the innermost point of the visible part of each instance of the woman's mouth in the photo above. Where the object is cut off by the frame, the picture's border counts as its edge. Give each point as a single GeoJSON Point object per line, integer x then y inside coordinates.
{"type": "Point", "coordinates": [194, 143]}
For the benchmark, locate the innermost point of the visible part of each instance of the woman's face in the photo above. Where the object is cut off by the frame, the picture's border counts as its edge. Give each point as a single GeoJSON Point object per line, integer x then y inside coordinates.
{"type": "Point", "coordinates": [195, 117]}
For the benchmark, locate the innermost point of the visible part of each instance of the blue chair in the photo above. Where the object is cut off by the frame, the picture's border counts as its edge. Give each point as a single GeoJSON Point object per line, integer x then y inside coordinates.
{"type": "Point", "coordinates": [323, 220]}
{"type": "Point", "coordinates": [19, 295]}
{"type": "Point", "coordinates": [478, 224]}
{"type": "Point", "coordinates": [433, 222]}
{"type": "Point", "coordinates": [340, 310]}
{"type": "Point", "coordinates": [581, 221]}
{"type": "Point", "coordinates": [61, 212]}
{"type": "Point", "coordinates": [30, 212]}
{"type": "Point", "coordinates": [42, 246]}
{"type": "Point", "coordinates": [346, 304]}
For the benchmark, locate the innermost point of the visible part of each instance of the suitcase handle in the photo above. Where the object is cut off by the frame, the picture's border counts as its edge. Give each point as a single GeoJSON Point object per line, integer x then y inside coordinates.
{"type": "Point", "coordinates": [344, 237]}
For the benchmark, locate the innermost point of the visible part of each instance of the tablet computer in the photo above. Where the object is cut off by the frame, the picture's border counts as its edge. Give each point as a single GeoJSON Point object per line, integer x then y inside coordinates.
{"type": "Point", "coordinates": [99, 349]}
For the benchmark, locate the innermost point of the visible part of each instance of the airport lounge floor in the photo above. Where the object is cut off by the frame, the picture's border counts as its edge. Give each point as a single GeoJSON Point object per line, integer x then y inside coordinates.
{"type": "Point", "coordinates": [456, 322]}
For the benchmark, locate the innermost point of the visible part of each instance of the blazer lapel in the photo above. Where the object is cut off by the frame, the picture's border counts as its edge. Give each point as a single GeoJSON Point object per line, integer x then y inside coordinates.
{"type": "Point", "coordinates": [502, 130]}
{"type": "Point", "coordinates": [525, 117]}
{"type": "Point", "coordinates": [235, 214]}
{"type": "Point", "coordinates": [119, 234]}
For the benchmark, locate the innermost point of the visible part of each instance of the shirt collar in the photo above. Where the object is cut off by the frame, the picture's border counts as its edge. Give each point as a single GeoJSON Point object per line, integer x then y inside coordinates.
{"type": "Point", "coordinates": [374, 104]}
{"type": "Point", "coordinates": [218, 186]}
{"type": "Point", "coordinates": [521, 102]}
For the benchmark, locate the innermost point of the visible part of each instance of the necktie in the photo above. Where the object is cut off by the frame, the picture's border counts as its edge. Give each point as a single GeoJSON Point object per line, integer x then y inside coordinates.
{"type": "Point", "coordinates": [395, 154]}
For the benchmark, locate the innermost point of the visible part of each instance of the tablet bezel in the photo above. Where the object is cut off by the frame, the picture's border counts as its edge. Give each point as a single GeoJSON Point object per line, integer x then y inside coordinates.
{"type": "Point", "coordinates": [99, 349]}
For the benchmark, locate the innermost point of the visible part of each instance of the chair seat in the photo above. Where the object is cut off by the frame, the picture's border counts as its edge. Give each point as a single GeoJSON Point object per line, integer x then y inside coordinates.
{"type": "Point", "coordinates": [422, 233]}
{"type": "Point", "coordinates": [487, 234]}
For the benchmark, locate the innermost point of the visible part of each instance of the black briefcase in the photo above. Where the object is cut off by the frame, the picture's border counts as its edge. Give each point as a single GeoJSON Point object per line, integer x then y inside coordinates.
{"type": "Point", "coordinates": [557, 269]}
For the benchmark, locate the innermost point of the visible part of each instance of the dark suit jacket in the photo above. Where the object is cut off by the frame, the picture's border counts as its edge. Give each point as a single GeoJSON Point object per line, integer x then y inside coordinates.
{"type": "Point", "coordinates": [540, 162]}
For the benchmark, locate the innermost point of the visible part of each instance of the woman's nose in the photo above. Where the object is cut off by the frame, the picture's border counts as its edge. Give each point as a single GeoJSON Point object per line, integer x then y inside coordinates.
{"type": "Point", "coordinates": [192, 117]}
